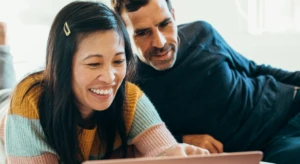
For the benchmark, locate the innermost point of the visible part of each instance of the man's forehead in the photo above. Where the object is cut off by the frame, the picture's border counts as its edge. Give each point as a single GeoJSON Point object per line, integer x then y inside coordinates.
{"type": "Point", "coordinates": [153, 13]}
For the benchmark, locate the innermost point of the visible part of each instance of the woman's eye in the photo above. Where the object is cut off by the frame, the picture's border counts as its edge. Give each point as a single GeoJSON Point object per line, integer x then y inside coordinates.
{"type": "Point", "coordinates": [119, 61]}
{"type": "Point", "coordinates": [93, 64]}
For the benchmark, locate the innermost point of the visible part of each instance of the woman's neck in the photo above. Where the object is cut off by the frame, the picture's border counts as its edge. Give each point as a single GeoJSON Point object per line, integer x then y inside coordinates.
{"type": "Point", "coordinates": [87, 120]}
{"type": "Point", "coordinates": [88, 123]}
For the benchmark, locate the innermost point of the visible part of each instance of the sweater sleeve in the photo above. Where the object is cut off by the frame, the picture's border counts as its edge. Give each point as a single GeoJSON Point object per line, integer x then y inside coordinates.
{"type": "Point", "coordinates": [245, 66]}
{"type": "Point", "coordinates": [7, 73]}
{"type": "Point", "coordinates": [148, 133]}
{"type": "Point", "coordinates": [25, 141]}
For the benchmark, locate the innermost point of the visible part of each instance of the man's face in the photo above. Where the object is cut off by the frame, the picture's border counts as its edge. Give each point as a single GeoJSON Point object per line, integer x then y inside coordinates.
{"type": "Point", "coordinates": [154, 33]}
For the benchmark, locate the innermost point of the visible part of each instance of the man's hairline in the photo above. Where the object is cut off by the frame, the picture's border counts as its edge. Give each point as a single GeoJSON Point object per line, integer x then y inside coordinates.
{"type": "Point", "coordinates": [127, 13]}
{"type": "Point", "coordinates": [124, 10]}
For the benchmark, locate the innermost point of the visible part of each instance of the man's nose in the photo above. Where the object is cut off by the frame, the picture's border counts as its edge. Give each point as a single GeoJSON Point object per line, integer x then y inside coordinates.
{"type": "Point", "coordinates": [159, 39]}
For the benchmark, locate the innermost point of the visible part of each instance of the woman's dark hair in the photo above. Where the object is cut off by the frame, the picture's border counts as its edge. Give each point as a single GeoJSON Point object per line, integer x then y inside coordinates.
{"type": "Point", "coordinates": [59, 116]}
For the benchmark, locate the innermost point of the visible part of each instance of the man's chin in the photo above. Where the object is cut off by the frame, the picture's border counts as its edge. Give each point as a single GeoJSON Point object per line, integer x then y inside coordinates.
{"type": "Point", "coordinates": [162, 65]}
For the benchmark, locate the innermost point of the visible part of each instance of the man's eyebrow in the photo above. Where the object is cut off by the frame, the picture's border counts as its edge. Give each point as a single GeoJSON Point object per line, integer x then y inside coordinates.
{"type": "Point", "coordinates": [138, 30]}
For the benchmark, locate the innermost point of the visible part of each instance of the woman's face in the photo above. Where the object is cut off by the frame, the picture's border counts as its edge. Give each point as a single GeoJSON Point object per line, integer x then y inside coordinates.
{"type": "Point", "coordinates": [99, 67]}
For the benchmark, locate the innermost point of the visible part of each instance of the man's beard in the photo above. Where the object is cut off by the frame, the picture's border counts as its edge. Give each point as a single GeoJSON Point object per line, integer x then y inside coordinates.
{"type": "Point", "coordinates": [161, 64]}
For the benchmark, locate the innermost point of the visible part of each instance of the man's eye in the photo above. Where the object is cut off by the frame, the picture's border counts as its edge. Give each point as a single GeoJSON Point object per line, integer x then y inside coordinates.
{"type": "Point", "coordinates": [142, 33]}
{"type": "Point", "coordinates": [164, 24]}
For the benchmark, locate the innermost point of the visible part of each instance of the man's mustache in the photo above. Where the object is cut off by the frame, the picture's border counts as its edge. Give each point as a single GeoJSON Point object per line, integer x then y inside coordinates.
{"type": "Point", "coordinates": [155, 50]}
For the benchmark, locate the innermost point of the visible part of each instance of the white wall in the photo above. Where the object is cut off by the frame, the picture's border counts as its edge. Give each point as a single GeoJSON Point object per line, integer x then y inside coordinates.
{"type": "Point", "coordinates": [29, 26]}
{"type": "Point", "coordinates": [278, 50]}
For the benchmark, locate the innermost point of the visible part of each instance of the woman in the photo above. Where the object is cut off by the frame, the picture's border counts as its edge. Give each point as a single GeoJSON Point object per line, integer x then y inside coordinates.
{"type": "Point", "coordinates": [81, 107]}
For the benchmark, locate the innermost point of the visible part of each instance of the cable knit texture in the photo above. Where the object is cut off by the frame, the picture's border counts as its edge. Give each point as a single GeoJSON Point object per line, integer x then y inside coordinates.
{"type": "Point", "coordinates": [25, 141]}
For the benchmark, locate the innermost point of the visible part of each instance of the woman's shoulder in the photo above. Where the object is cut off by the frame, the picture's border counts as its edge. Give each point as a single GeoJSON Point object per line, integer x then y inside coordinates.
{"type": "Point", "coordinates": [140, 113]}
{"type": "Point", "coordinates": [133, 92]}
{"type": "Point", "coordinates": [29, 87]}
{"type": "Point", "coordinates": [132, 95]}
{"type": "Point", "coordinates": [26, 95]}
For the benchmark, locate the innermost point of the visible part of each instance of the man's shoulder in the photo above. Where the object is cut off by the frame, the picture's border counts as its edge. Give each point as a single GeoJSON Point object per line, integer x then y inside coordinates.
{"type": "Point", "coordinates": [195, 27]}
{"type": "Point", "coordinates": [197, 32]}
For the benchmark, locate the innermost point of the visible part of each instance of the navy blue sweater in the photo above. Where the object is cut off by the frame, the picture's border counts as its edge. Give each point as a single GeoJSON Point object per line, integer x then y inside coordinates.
{"type": "Point", "coordinates": [214, 90]}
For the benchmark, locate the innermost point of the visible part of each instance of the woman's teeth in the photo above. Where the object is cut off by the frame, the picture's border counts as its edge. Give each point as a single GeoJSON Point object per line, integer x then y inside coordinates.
{"type": "Point", "coordinates": [102, 91]}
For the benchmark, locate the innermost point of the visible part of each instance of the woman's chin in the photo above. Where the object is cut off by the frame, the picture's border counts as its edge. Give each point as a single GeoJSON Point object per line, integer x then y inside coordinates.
{"type": "Point", "coordinates": [102, 107]}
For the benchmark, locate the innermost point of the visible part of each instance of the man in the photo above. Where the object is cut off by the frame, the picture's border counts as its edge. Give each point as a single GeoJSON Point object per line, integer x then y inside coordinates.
{"type": "Point", "coordinates": [200, 85]}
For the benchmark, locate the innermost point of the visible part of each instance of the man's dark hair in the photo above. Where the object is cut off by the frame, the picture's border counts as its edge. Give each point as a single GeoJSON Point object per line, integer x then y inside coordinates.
{"type": "Point", "coordinates": [132, 5]}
